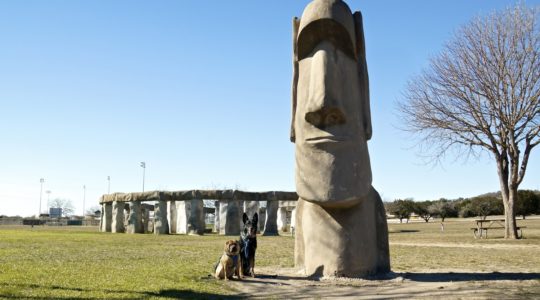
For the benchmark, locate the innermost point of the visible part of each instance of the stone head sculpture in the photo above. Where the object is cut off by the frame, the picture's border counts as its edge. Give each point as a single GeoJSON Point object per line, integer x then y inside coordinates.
{"type": "Point", "coordinates": [331, 121]}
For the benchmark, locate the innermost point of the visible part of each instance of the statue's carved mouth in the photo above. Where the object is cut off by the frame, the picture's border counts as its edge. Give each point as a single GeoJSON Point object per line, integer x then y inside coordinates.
{"type": "Point", "coordinates": [326, 139]}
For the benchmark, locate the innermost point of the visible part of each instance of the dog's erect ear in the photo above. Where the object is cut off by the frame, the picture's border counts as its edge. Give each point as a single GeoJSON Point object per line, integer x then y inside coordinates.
{"type": "Point", "coordinates": [244, 218]}
{"type": "Point", "coordinates": [255, 219]}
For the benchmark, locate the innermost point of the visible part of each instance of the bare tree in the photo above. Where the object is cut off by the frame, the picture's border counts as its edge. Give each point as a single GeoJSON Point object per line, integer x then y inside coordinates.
{"type": "Point", "coordinates": [92, 210]}
{"type": "Point", "coordinates": [65, 204]}
{"type": "Point", "coordinates": [482, 93]}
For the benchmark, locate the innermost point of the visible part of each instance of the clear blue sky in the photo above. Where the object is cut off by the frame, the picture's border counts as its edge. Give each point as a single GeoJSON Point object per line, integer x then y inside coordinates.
{"type": "Point", "coordinates": [200, 91]}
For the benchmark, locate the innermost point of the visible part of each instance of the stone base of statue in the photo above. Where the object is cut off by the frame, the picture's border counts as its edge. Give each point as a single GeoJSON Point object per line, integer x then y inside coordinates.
{"type": "Point", "coordinates": [337, 242]}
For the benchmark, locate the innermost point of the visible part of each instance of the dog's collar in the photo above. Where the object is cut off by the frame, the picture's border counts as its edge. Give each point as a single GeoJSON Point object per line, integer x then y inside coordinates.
{"type": "Point", "coordinates": [234, 259]}
{"type": "Point", "coordinates": [246, 237]}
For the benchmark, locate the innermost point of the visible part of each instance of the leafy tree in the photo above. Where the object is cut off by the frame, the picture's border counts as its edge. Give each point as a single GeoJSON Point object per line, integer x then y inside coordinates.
{"type": "Point", "coordinates": [466, 211]}
{"type": "Point", "coordinates": [402, 209]}
{"type": "Point", "coordinates": [482, 94]}
{"type": "Point", "coordinates": [538, 198]}
{"type": "Point", "coordinates": [443, 208]}
{"type": "Point", "coordinates": [422, 210]}
{"type": "Point", "coordinates": [65, 204]}
{"type": "Point", "coordinates": [485, 206]}
{"type": "Point", "coordinates": [527, 203]}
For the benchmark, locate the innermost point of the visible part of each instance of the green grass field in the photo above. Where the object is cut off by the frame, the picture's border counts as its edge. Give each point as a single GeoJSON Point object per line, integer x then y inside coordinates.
{"type": "Point", "coordinates": [75, 262]}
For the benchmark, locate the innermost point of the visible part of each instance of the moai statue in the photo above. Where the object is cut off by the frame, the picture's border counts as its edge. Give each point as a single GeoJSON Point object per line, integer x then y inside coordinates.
{"type": "Point", "coordinates": [340, 225]}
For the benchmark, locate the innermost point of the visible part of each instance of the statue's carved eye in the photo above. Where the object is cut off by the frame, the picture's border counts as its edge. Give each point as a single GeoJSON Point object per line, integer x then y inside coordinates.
{"type": "Point", "coordinates": [324, 30]}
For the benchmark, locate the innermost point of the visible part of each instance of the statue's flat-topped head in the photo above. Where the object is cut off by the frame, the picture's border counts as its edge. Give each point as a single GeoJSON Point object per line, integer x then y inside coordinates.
{"type": "Point", "coordinates": [326, 19]}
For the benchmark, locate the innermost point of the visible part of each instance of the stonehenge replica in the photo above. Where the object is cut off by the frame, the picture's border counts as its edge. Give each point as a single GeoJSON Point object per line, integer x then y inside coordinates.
{"type": "Point", "coordinates": [341, 227]}
{"type": "Point", "coordinates": [183, 212]}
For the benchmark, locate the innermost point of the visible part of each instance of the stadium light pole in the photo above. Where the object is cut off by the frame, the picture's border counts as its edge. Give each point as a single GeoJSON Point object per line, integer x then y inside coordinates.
{"type": "Point", "coordinates": [48, 192]}
{"type": "Point", "coordinates": [41, 181]}
{"type": "Point", "coordinates": [143, 165]}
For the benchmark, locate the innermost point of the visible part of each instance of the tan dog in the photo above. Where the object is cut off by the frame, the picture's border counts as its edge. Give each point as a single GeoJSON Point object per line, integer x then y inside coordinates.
{"type": "Point", "coordinates": [229, 263]}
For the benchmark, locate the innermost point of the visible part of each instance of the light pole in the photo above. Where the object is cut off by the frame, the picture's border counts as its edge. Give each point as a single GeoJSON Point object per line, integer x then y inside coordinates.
{"type": "Point", "coordinates": [48, 192]}
{"type": "Point", "coordinates": [83, 199]}
{"type": "Point", "coordinates": [41, 180]}
{"type": "Point", "coordinates": [109, 185]}
{"type": "Point", "coordinates": [143, 165]}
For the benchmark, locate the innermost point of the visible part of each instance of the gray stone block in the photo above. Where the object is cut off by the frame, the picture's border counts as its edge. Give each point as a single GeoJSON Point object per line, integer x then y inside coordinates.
{"type": "Point", "coordinates": [161, 224]}
{"type": "Point", "coordinates": [270, 226]}
{"type": "Point", "coordinates": [118, 217]}
{"type": "Point", "coordinates": [135, 223]}
{"type": "Point", "coordinates": [230, 218]}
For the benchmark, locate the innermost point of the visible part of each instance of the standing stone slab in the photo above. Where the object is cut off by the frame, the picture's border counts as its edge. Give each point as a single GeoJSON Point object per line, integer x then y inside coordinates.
{"type": "Point", "coordinates": [161, 224]}
{"type": "Point", "coordinates": [270, 226]}
{"type": "Point", "coordinates": [216, 216]}
{"type": "Point", "coordinates": [230, 217]}
{"type": "Point", "coordinates": [190, 217]}
{"type": "Point", "coordinates": [126, 215]}
{"type": "Point", "coordinates": [282, 219]}
{"type": "Point", "coordinates": [101, 224]}
{"type": "Point", "coordinates": [183, 212]}
{"type": "Point", "coordinates": [135, 222]}
{"type": "Point", "coordinates": [118, 217]}
{"type": "Point", "coordinates": [262, 219]}
{"type": "Point", "coordinates": [172, 216]}
{"type": "Point", "coordinates": [145, 216]}
{"type": "Point", "coordinates": [196, 223]}
{"type": "Point", "coordinates": [107, 218]}
{"type": "Point", "coordinates": [251, 207]}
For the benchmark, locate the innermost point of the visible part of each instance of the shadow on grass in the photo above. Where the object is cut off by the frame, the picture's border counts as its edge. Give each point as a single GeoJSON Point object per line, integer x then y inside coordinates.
{"type": "Point", "coordinates": [165, 294]}
{"type": "Point", "coordinates": [404, 231]}
{"type": "Point", "coordinates": [267, 280]}
{"type": "Point", "coordinates": [189, 294]}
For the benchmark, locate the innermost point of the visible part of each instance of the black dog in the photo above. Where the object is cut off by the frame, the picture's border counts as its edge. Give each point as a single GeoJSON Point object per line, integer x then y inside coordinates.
{"type": "Point", "coordinates": [248, 244]}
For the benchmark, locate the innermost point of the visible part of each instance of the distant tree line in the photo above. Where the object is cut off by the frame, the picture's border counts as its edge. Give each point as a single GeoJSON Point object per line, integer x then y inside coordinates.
{"type": "Point", "coordinates": [528, 203]}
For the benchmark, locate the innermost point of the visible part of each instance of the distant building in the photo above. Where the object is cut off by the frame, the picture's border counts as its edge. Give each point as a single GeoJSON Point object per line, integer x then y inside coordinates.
{"type": "Point", "coordinates": [55, 212]}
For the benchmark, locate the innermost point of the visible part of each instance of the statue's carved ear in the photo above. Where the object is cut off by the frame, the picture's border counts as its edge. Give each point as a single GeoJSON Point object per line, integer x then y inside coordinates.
{"type": "Point", "coordinates": [363, 75]}
{"type": "Point", "coordinates": [296, 24]}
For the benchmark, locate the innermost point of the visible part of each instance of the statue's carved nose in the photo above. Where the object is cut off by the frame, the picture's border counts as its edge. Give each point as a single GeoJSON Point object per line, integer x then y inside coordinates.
{"type": "Point", "coordinates": [326, 117]}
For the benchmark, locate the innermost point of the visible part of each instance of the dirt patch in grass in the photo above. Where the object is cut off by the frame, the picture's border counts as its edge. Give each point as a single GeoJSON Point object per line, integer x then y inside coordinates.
{"type": "Point", "coordinates": [426, 263]}
{"type": "Point", "coordinates": [457, 284]}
